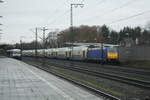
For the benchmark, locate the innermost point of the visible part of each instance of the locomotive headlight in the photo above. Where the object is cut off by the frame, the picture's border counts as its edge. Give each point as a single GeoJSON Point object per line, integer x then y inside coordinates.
{"type": "Point", "coordinates": [112, 55]}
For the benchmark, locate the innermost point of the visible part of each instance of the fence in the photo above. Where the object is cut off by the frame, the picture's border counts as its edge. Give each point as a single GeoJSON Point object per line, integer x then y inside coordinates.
{"type": "Point", "coordinates": [134, 53]}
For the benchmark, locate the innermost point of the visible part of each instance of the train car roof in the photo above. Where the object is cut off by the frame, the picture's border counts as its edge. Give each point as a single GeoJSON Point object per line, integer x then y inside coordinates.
{"type": "Point", "coordinates": [13, 50]}
{"type": "Point", "coordinates": [94, 44]}
{"type": "Point", "coordinates": [80, 47]}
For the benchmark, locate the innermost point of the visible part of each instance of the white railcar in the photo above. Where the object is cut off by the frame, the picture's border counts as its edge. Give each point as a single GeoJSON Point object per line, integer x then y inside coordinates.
{"type": "Point", "coordinates": [63, 53]}
{"type": "Point", "coordinates": [14, 53]}
{"type": "Point", "coordinates": [79, 53]}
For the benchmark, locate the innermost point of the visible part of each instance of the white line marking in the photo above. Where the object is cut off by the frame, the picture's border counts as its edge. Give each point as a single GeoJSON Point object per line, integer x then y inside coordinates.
{"type": "Point", "coordinates": [52, 86]}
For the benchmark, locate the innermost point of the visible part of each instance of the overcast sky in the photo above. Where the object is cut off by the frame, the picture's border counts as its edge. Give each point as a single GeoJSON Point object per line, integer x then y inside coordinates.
{"type": "Point", "coordinates": [19, 16]}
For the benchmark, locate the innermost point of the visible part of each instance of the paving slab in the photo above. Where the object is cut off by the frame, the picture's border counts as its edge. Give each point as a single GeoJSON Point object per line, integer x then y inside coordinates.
{"type": "Point", "coordinates": [20, 81]}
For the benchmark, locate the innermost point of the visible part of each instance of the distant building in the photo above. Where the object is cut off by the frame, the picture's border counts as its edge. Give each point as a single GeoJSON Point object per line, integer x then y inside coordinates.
{"type": "Point", "coordinates": [127, 42]}
{"type": "Point", "coordinates": [136, 41]}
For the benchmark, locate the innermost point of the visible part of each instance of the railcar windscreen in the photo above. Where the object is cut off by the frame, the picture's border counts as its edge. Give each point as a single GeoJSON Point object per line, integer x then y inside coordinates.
{"type": "Point", "coordinates": [112, 50]}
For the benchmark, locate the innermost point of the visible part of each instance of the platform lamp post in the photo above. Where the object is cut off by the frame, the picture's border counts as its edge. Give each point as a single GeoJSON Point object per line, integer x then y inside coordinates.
{"type": "Point", "coordinates": [71, 21]}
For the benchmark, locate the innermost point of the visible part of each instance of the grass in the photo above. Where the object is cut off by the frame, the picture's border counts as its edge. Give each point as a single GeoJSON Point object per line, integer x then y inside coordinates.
{"type": "Point", "coordinates": [89, 83]}
{"type": "Point", "coordinates": [138, 64]}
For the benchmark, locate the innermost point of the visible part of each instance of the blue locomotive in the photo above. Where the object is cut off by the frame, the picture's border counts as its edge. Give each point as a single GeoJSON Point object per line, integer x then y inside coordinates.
{"type": "Point", "coordinates": [106, 54]}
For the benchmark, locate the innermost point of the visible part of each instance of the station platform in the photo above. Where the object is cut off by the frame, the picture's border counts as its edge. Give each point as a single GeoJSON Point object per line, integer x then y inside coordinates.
{"type": "Point", "coordinates": [20, 81]}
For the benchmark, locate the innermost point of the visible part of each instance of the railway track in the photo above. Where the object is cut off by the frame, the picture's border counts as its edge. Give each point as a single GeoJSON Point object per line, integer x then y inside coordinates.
{"type": "Point", "coordinates": [108, 67]}
{"type": "Point", "coordinates": [116, 68]}
{"type": "Point", "coordinates": [73, 67]}
{"type": "Point", "coordinates": [108, 75]}
{"type": "Point", "coordinates": [119, 71]}
{"type": "Point", "coordinates": [106, 96]}
{"type": "Point", "coordinates": [123, 79]}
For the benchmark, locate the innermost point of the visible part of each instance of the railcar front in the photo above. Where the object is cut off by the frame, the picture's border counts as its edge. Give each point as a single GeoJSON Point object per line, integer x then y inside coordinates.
{"type": "Point", "coordinates": [14, 53]}
{"type": "Point", "coordinates": [112, 54]}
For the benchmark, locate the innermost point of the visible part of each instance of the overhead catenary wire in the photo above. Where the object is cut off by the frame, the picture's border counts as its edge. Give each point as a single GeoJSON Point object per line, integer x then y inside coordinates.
{"type": "Point", "coordinates": [96, 5]}
{"type": "Point", "coordinates": [58, 17]}
{"type": "Point", "coordinates": [129, 17]}
{"type": "Point", "coordinates": [122, 6]}
{"type": "Point", "coordinates": [102, 1]}
{"type": "Point", "coordinates": [61, 2]}
{"type": "Point", "coordinates": [113, 10]}
{"type": "Point", "coordinates": [62, 15]}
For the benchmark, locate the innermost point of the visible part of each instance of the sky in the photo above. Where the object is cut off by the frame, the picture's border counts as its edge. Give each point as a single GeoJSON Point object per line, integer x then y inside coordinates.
{"type": "Point", "coordinates": [20, 17]}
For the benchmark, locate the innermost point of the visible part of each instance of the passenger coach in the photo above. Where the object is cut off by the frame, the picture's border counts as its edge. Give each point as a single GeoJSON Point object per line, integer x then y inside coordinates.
{"type": "Point", "coordinates": [80, 53]}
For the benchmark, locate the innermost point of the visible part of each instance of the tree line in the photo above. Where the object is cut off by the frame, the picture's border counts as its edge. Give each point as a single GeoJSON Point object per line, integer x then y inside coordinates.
{"type": "Point", "coordinates": [96, 34]}
{"type": "Point", "coordinates": [91, 34]}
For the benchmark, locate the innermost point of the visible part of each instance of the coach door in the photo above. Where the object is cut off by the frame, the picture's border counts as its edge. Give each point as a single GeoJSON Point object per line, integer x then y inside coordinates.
{"type": "Point", "coordinates": [84, 54]}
